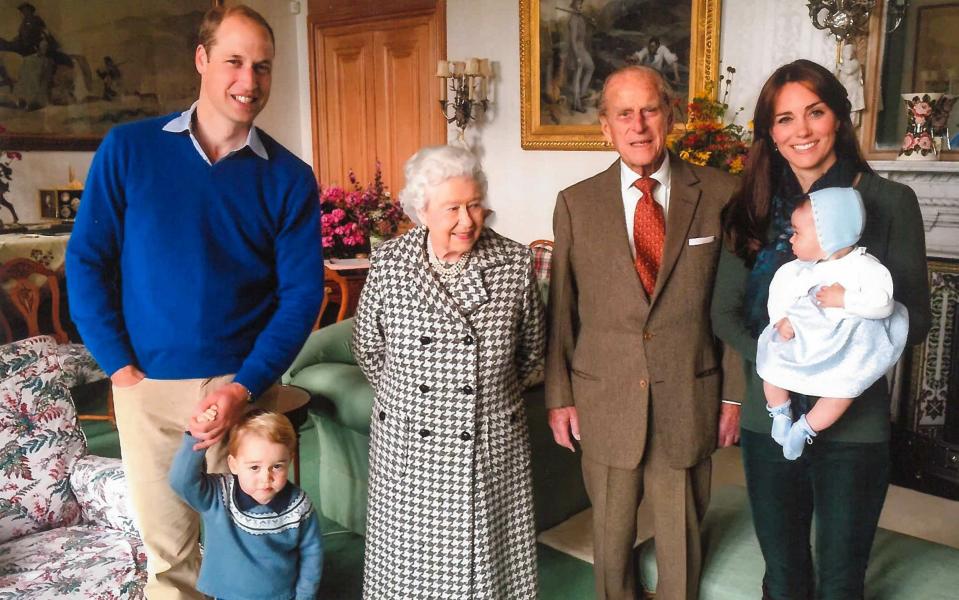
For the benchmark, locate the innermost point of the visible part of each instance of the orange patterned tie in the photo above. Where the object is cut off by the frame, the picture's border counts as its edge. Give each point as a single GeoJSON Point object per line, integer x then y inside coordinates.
{"type": "Point", "coordinates": [649, 232]}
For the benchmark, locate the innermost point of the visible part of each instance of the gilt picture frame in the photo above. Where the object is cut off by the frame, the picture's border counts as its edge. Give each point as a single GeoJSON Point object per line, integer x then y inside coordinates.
{"type": "Point", "coordinates": [72, 69]}
{"type": "Point", "coordinates": [567, 47]}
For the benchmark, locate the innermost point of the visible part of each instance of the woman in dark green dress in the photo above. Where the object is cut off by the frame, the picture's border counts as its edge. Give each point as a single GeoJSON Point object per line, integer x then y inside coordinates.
{"type": "Point", "coordinates": [805, 141]}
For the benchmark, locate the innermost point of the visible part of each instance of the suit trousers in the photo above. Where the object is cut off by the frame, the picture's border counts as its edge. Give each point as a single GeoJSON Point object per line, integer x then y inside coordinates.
{"type": "Point", "coordinates": [152, 416]}
{"type": "Point", "coordinates": [840, 484]}
{"type": "Point", "coordinates": [679, 498]}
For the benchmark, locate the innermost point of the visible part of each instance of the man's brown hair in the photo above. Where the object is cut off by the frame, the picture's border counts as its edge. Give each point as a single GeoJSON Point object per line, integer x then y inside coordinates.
{"type": "Point", "coordinates": [214, 17]}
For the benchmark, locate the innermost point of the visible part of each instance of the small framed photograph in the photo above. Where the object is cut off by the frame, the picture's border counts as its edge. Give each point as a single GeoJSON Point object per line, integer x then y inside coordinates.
{"type": "Point", "coordinates": [60, 204]}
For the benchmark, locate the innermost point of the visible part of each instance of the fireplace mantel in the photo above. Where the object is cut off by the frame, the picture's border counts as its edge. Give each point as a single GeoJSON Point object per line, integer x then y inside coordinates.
{"type": "Point", "coordinates": [936, 183]}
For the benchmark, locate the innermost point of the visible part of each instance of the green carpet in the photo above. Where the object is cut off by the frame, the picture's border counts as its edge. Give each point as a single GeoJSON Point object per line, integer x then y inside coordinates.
{"type": "Point", "coordinates": [561, 577]}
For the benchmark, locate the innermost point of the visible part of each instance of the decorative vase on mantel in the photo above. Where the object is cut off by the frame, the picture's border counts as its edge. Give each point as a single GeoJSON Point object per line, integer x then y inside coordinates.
{"type": "Point", "coordinates": [918, 143]}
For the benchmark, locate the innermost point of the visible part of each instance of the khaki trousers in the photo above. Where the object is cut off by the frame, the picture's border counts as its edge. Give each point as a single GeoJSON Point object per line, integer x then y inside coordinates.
{"type": "Point", "coordinates": [679, 498]}
{"type": "Point", "coordinates": [151, 418]}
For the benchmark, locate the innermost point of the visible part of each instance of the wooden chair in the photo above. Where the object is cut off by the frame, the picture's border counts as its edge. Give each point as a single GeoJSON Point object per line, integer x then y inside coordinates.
{"type": "Point", "coordinates": [25, 297]}
{"type": "Point", "coordinates": [542, 261]}
{"type": "Point", "coordinates": [335, 286]}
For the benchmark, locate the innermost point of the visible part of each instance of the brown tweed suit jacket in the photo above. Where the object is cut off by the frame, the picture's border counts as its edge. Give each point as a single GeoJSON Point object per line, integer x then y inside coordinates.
{"type": "Point", "coordinates": [612, 350]}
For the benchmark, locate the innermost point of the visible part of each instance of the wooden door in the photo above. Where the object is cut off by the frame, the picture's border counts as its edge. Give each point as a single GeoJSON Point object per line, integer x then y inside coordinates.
{"type": "Point", "coordinates": [375, 95]}
{"type": "Point", "coordinates": [348, 93]}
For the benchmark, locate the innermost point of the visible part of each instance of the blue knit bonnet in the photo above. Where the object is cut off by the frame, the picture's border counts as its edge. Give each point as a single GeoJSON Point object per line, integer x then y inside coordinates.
{"type": "Point", "coordinates": [839, 216]}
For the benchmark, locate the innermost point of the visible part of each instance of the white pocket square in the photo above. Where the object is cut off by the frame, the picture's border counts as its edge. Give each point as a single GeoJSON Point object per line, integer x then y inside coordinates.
{"type": "Point", "coordinates": [702, 240]}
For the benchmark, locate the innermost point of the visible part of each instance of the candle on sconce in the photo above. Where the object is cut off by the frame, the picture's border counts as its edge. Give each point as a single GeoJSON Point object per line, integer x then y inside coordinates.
{"type": "Point", "coordinates": [442, 69]}
{"type": "Point", "coordinates": [444, 84]}
{"type": "Point", "coordinates": [484, 67]}
{"type": "Point", "coordinates": [472, 66]}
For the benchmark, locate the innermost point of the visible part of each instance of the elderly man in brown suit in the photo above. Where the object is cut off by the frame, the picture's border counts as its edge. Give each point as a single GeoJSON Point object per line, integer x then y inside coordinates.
{"type": "Point", "coordinates": [633, 371]}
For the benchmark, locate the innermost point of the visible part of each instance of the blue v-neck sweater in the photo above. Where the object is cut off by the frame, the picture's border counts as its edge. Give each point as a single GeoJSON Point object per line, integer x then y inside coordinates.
{"type": "Point", "coordinates": [191, 270]}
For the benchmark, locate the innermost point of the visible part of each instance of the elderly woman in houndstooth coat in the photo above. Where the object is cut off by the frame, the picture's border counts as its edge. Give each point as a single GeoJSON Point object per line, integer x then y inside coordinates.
{"type": "Point", "coordinates": [449, 324]}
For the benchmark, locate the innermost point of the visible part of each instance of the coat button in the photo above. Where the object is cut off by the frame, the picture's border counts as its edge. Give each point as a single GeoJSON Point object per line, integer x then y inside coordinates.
{"type": "Point", "coordinates": [425, 433]}
{"type": "Point", "coordinates": [465, 436]}
{"type": "Point", "coordinates": [424, 388]}
{"type": "Point", "coordinates": [425, 340]}
{"type": "Point", "coordinates": [468, 340]}
{"type": "Point", "coordinates": [642, 383]}
{"type": "Point", "coordinates": [467, 389]}
{"type": "Point", "coordinates": [512, 417]}
{"type": "Point", "coordinates": [647, 335]}
{"type": "Point", "coordinates": [382, 415]}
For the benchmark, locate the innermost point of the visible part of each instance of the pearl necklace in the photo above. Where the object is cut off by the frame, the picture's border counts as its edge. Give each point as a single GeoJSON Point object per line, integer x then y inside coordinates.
{"type": "Point", "coordinates": [447, 272]}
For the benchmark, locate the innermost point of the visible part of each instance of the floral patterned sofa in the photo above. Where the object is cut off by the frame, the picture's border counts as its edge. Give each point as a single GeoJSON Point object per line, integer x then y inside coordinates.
{"type": "Point", "coordinates": [65, 530]}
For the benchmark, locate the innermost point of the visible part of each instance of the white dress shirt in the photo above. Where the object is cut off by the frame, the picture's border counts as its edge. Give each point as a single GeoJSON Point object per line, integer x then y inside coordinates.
{"type": "Point", "coordinates": [184, 123]}
{"type": "Point", "coordinates": [631, 194]}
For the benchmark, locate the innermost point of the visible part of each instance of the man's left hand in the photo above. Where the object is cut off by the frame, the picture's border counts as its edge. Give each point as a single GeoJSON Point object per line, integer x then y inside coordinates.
{"type": "Point", "coordinates": [728, 424]}
{"type": "Point", "coordinates": [230, 401]}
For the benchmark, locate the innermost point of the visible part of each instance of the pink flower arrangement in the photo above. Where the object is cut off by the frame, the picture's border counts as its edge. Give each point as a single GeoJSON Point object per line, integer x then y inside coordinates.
{"type": "Point", "coordinates": [349, 218]}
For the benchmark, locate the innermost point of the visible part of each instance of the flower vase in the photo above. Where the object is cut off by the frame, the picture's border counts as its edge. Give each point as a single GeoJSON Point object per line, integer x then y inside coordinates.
{"type": "Point", "coordinates": [940, 121]}
{"type": "Point", "coordinates": [918, 142]}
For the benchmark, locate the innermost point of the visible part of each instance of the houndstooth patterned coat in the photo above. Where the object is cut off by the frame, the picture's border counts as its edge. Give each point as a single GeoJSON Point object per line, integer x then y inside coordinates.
{"type": "Point", "coordinates": [451, 505]}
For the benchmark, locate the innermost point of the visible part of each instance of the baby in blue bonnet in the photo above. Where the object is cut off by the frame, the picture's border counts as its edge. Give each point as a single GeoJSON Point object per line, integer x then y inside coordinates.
{"type": "Point", "coordinates": [834, 328]}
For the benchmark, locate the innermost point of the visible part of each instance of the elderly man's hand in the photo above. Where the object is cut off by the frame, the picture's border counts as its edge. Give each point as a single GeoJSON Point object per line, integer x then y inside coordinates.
{"type": "Point", "coordinates": [728, 424]}
{"type": "Point", "coordinates": [230, 402]}
{"type": "Point", "coordinates": [563, 421]}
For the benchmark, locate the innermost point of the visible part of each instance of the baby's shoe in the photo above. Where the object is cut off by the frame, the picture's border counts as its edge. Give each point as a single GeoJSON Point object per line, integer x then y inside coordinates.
{"type": "Point", "coordinates": [782, 418]}
{"type": "Point", "coordinates": [799, 435]}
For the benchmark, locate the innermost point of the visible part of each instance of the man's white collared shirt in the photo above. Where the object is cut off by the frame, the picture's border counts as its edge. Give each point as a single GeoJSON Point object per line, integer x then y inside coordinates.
{"type": "Point", "coordinates": [185, 123]}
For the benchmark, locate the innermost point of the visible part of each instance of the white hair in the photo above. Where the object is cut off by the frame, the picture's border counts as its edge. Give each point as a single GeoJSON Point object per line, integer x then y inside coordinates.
{"type": "Point", "coordinates": [432, 166]}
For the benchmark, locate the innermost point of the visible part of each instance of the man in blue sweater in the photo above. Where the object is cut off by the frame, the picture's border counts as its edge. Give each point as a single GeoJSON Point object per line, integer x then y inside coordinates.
{"type": "Point", "coordinates": [195, 273]}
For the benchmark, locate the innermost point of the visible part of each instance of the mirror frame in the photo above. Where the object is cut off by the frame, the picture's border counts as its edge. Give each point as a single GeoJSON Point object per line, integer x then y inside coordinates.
{"type": "Point", "coordinates": [875, 46]}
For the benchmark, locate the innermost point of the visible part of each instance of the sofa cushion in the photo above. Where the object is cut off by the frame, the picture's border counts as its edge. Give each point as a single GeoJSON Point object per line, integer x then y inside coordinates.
{"type": "Point", "coordinates": [345, 387]}
{"type": "Point", "coordinates": [101, 489]}
{"type": "Point", "coordinates": [79, 562]}
{"type": "Point", "coordinates": [39, 440]}
{"type": "Point", "coordinates": [900, 566]}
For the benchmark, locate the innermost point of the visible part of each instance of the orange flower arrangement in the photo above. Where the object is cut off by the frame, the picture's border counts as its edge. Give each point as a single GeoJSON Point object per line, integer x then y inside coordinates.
{"type": "Point", "coordinates": [709, 142]}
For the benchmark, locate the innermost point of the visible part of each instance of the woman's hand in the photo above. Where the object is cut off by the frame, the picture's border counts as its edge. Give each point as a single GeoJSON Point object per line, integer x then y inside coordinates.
{"type": "Point", "coordinates": [785, 329]}
{"type": "Point", "coordinates": [832, 296]}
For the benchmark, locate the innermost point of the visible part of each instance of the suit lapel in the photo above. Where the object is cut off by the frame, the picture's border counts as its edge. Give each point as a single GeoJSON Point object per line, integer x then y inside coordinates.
{"type": "Point", "coordinates": [684, 195]}
{"type": "Point", "coordinates": [470, 291]}
{"type": "Point", "coordinates": [433, 293]}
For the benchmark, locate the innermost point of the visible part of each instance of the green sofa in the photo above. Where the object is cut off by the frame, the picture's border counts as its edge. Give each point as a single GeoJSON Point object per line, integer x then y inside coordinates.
{"type": "Point", "coordinates": [341, 410]}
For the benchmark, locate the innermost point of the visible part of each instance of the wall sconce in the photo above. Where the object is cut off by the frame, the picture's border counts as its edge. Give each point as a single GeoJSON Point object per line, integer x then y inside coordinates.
{"type": "Point", "coordinates": [464, 87]}
{"type": "Point", "coordinates": [845, 19]}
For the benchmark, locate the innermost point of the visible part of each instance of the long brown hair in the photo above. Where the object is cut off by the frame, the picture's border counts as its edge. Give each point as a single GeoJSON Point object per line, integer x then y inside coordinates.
{"type": "Point", "coordinates": [746, 217]}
